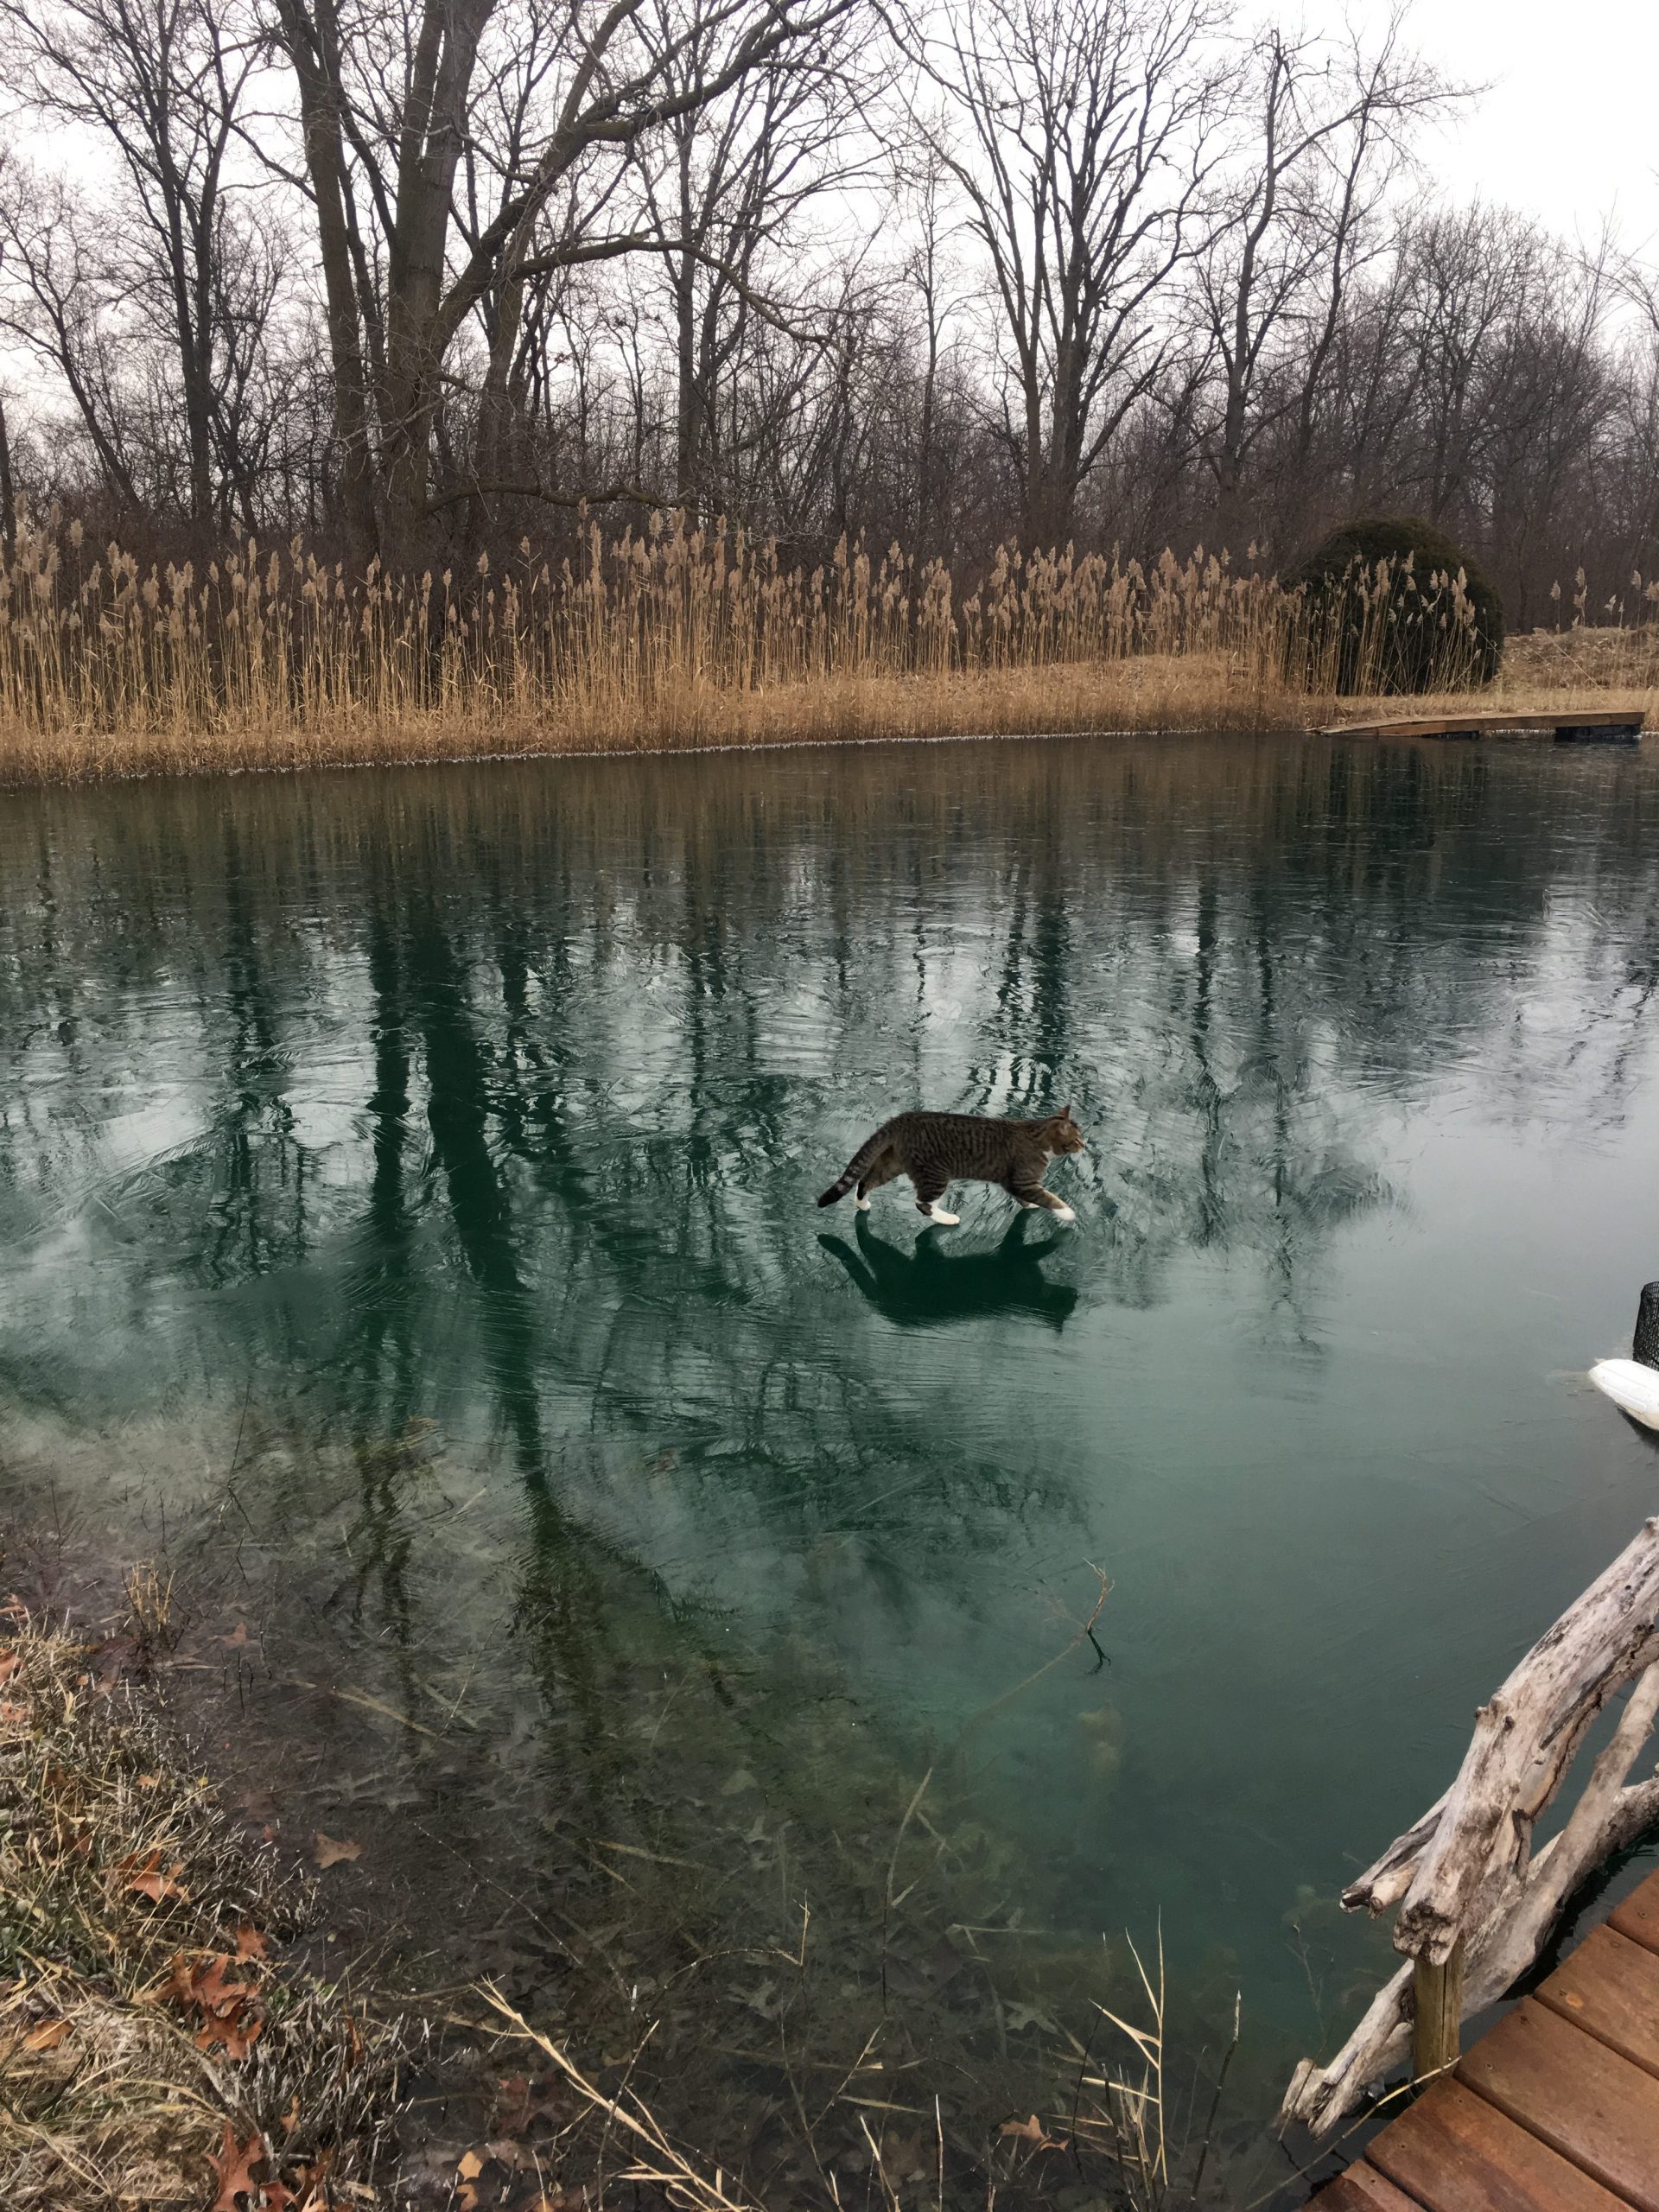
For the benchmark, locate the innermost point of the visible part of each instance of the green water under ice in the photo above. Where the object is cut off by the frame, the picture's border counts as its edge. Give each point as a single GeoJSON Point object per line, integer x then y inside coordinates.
{"type": "Point", "coordinates": [487, 1105]}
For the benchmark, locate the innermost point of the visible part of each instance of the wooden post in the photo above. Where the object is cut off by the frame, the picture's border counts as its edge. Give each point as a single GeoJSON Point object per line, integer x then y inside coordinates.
{"type": "Point", "coordinates": [1436, 2013]}
{"type": "Point", "coordinates": [1466, 1869]}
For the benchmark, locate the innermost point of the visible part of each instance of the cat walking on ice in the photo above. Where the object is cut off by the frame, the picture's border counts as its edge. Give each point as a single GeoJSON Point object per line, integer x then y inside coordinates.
{"type": "Point", "coordinates": [936, 1150]}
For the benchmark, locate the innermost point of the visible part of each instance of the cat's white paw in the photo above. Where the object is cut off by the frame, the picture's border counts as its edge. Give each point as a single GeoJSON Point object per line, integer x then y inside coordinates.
{"type": "Point", "coordinates": [1063, 1213]}
{"type": "Point", "coordinates": [945, 1220]}
{"type": "Point", "coordinates": [863, 1204]}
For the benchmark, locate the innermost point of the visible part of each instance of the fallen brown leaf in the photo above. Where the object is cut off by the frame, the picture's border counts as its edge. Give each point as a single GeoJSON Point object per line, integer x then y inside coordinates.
{"type": "Point", "coordinates": [13, 1714]}
{"type": "Point", "coordinates": [315, 2194]}
{"type": "Point", "coordinates": [329, 1851]}
{"type": "Point", "coordinates": [518, 2103]}
{"type": "Point", "coordinates": [146, 1878]}
{"type": "Point", "coordinates": [471, 2166]}
{"type": "Point", "coordinates": [176, 1988]}
{"type": "Point", "coordinates": [46, 2037]}
{"type": "Point", "coordinates": [213, 1990]}
{"type": "Point", "coordinates": [9, 1663]}
{"type": "Point", "coordinates": [251, 1942]}
{"type": "Point", "coordinates": [235, 2031]}
{"type": "Point", "coordinates": [238, 2191]}
{"type": "Point", "coordinates": [231, 2019]}
{"type": "Point", "coordinates": [1029, 2131]}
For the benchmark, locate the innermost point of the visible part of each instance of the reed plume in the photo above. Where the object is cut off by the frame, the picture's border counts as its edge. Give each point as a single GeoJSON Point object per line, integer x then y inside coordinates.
{"type": "Point", "coordinates": [669, 636]}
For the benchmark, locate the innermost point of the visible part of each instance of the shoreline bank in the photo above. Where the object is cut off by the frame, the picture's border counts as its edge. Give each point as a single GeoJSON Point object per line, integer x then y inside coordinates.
{"type": "Point", "coordinates": [201, 2011]}
{"type": "Point", "coordinates": [866, 713]}
{"type": "Point", "coordinates": [165, 2039]}
{"type": "Point", "coordinates": [864, 710]}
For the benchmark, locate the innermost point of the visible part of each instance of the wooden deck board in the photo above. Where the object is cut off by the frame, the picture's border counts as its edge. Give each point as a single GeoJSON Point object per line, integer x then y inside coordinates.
{"type": "Point", "coordinates": [1362, 2189]}
{"type": "Point", "coordinates": [1555, 2110]}
{"type": "Point", "coordinates": [1596, 2109]}
{"type": "Point", "coordinates": [1609, 1987]}
{"type": "Point", "coordinates": [1638, 1917]}
{"type": "Point", "coordinates": [1489, 721]}
{"type": "Point", "coordinates": [1454, 2152]}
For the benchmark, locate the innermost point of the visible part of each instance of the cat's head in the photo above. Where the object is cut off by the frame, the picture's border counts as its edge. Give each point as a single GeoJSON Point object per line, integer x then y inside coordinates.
{"type": "Point", "coordinates": [1062, 1133]}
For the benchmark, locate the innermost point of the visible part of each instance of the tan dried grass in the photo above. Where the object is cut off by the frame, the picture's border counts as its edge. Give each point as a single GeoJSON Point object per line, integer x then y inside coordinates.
{"type": "Point", "coordinates": [669, 639]}
{"type": "Point", "coordinates": [122, 1882]}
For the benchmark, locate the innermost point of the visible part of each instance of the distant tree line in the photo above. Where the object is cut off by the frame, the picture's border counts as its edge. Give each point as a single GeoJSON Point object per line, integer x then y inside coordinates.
{"type": "Point", "coordinates": [421, 279]}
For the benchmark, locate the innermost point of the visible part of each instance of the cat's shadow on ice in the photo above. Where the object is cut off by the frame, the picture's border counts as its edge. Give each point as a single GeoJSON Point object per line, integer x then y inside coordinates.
{"type": "Point", "coordinates": [930, 1282]}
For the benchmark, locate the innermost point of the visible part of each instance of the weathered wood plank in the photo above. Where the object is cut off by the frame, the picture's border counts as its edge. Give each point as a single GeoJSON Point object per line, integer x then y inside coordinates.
{"type": "Point", "coordinates": [1523, 1742]}
{"type": "Point", "coordinates": [1638, 1917]}
{"type": "Point", "coordinates": [1609, 1988]}
{"type": "Point", "coordinates": [1436, 2013]}
{"type": "Point", "coordinates": [1476, 722]}
{"type": "Point", "coordinates": [1453, 2151]}
{"type": "Point", "coordinates": [1362, 2189]}
{"type": "Point", "coordinates": [1598, 2110]}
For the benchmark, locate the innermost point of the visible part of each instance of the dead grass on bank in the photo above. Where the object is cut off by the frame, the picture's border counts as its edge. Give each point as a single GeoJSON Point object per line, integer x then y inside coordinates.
{"type": "Point", "coordinates": [1152, 694]}
{"type": "Point", "coordinates": [153, 2053]}
{"type": "Point", "coordinates": [1155, 693]}
{"type": "Point", "coordinates": [677, 638]}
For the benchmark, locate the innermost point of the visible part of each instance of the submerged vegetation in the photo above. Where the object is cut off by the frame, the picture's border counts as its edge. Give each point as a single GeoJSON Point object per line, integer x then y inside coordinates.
{"type": "Point", "coordinates": [680, 637]}
{"type": "Point", "coordinates": [421, 1318]}
{"type": "Point", "coordinates": [169, 2041]}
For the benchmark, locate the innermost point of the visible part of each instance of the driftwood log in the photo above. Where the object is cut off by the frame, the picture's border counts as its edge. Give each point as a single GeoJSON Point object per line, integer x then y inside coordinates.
{"type": "Point", "coordinates": [1475, 1903]}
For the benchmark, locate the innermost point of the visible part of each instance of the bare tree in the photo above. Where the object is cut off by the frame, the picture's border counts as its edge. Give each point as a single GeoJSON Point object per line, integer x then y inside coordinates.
{"type": "Point", "coordinates": [725, 184]}
{"type": "Point", "coordinates": [56, 300]}
{"type": "Point", "coordinates": [8, 492]}
{"type": "Point", "coordinates": [1325, 133]}
{"type": "Point", "coordinates": [1089, 130]}
{"type": "Point", "coordinates": [424, 276]}
{"type": "Point", "coordinates": [935, 288]}
{"type": "Point", "coordinates": [1465, 271]}
{"type": "Point", "coordinates": [160, 85]}
{"type": "Point", "coordinates": [606, 88]}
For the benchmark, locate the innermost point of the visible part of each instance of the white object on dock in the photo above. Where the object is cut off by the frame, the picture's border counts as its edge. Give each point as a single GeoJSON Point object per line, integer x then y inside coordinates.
{"type": "Point", "coordinates": [1632, 1388]}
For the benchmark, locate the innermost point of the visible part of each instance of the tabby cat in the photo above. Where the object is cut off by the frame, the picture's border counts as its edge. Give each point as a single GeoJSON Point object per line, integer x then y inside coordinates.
{"type": "Point", "coordinates": [938, 1149]}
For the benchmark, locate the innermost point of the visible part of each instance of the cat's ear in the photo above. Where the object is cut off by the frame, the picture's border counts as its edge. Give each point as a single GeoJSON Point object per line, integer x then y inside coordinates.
{"type": "Point", "coordinates": [1065, 1113]}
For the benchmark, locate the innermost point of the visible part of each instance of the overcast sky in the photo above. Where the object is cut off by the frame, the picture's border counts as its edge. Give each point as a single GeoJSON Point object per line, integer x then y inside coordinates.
{"type": "Point", "coordinates": [1569, 128]}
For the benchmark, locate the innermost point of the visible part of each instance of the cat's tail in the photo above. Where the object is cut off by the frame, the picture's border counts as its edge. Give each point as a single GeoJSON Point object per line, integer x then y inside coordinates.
{"type": "Point", "coordinates": [865, 1157]}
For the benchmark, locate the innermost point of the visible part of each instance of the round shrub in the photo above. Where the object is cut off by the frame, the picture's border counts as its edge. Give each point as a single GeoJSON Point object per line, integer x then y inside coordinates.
{"type": "Point", "coordinates": [1384, 602]}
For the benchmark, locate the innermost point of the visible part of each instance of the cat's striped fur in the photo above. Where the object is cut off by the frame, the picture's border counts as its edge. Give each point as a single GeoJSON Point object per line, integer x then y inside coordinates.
{"type": "Point", "coordinates": [936, 1150]}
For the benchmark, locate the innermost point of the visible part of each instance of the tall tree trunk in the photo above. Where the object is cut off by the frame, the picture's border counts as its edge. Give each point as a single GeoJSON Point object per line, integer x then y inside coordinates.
{"type": "Point", "coordinates": [688, 399]}
{"type": "Point", "coordinates": [428, 153]}
{"type": "Point", "coordinates": [8, 493]}
{"type": "Point", "coordinates": [312, 49]}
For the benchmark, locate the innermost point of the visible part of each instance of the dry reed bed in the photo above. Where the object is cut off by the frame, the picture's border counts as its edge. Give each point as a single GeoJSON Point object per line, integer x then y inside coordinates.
{"type": "Point", "coordinates": [670, 638]}
{"type": "Point", "coordinates": [839, 709]}
{"type": "Point", "coordinates": [153, 2052]}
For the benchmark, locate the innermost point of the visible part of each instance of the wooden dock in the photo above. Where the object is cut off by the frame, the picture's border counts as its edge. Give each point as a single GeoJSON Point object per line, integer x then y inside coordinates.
{"type": "Point", "coordinates": [1555, 2110]}
{"type": "Point", "coordinates": [1603, 726]}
